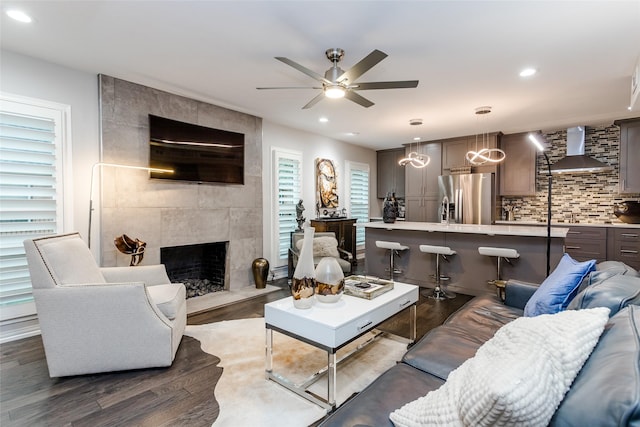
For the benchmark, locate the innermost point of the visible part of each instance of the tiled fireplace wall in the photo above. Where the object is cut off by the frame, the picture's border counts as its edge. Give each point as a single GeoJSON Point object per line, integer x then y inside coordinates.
{"type": "Point", "coordinates": [172, 213]}
{"type": "Point", "coordinates": [589, 196]}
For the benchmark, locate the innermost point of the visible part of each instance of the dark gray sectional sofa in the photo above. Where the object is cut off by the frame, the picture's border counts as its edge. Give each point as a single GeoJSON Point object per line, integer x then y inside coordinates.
{"type": "Point", "coordinates": [606, 391]}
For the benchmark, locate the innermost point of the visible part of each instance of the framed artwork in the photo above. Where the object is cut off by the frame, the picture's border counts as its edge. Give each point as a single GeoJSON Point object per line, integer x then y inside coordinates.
{"type": "Point", "coordinates": [326, 184]}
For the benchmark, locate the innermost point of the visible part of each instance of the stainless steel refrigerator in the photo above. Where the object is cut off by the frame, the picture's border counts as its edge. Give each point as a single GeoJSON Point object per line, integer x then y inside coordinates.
{"type": "Point", "coordinates": [471, 198]}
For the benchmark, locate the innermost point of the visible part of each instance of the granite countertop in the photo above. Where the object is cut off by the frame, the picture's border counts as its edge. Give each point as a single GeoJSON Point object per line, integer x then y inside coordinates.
{"type": "Point", "coordinates": [491, 230]}
{"type": "Point", "coordinates": [617, 224]}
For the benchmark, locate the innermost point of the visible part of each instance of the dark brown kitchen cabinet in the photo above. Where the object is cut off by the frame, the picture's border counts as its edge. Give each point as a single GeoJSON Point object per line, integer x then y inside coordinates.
{"type": "Point", "coordinates": [424, 209]}
{"type": "Point", "coordinates": [629, 173]}
{"type": "Point", "coordinates": [390, 173]}
{"type": "Point", "coordinates": [423, 182]}
{"type": "Point", "coordinates": [421, 185]}
{"type": "Point", "coordinates": [586, 243]}
{"type": "Point", "coordinates": [518, 170]}
{"type": "Point", "coordinates": [454, 152]}
{"type": "Point", "coordinates": [344, 230]}
{"type": "Point", "coordinates": [624, 245]}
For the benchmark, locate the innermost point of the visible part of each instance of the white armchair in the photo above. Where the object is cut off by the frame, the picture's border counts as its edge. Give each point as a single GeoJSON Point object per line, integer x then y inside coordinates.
{"type": "Point", "coordinates": [102, 319]}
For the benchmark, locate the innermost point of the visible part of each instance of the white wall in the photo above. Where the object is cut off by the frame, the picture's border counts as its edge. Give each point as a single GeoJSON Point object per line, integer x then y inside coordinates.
{"type": "Point", "coordinates": [31, 77]}
{"type": "Point", "coordinates": [34, 78]}
{"type": "Point", "coordinates": [311, 146]}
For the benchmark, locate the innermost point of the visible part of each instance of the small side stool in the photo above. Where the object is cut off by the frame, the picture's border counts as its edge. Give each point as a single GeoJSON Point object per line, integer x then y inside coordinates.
{"type": "Point", "coordinates": [440, 252]}
{"type": "Point", "coordinates": [500, 253]}
{"type": "Point", "coordinates": [394, 249]}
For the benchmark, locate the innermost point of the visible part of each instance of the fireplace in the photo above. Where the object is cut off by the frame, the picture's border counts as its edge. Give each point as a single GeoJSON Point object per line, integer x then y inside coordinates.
{"type": "Point", "coordinates": [201, 267]}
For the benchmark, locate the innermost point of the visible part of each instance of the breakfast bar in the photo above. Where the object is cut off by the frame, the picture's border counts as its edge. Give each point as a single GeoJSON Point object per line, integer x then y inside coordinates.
{"type": "Point", "coordinates": [468, 270]}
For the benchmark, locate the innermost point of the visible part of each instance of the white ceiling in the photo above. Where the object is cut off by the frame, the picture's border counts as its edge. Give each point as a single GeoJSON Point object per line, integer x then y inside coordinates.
{"type": "Point", "coordinates": [465, 55]}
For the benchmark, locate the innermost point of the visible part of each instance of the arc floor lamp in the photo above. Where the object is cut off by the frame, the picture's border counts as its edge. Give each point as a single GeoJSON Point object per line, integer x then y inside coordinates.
{"type": "Point", "coordinates": [536, 141]}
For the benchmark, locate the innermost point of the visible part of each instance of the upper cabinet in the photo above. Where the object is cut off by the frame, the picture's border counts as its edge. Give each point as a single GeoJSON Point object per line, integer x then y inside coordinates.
{"type": "Point", "coordinates": [421, 201]}
{"type": "Point", "coordinates": [629, 155]}
{"type": "Point", "coordinates": [390, 173]}
{"type": "Point", "coordinates": [518, 170]}
{"type": "Point", "coordinates": [454, 152]}
{"type": "Point", "coordinates": [424, 181]}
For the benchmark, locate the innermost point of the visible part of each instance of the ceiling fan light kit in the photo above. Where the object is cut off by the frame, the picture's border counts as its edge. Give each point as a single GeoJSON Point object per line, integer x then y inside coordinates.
{"type": "Point", "coordinates": [334, 92]}
{"type": "Point", "coordinates": [337, 83]}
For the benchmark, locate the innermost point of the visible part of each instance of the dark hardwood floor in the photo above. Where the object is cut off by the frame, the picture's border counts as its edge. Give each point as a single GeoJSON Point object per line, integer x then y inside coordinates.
{"type": "Point", "coordinates": [182, 395]}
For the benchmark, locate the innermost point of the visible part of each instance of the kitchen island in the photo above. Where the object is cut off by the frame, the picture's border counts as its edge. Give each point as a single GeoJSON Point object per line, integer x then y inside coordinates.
{"type": "Point", "coordinates": [468, 270]}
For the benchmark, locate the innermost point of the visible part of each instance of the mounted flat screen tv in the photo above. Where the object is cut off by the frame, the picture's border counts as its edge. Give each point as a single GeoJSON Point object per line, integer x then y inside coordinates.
{"type": "Point", "coordinates": [195, 153]}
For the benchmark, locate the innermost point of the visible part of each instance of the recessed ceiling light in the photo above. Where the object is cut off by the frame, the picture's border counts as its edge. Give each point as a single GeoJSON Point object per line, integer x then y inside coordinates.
{"type": "Point", "coordinates": [323, 120]}
{"type": "Point", "coordinates": [19, 15]}
{"type": "Point", "coordinates": [353, 133]}
{"type": "Point", "coordinates": [528, 72]}
{"type": "Point", "coordinates": [417, 138]}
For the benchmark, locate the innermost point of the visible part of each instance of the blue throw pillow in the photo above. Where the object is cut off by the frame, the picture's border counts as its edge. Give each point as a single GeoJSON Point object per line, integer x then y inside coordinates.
{"type": "Point", "coordinates": [557, 290]}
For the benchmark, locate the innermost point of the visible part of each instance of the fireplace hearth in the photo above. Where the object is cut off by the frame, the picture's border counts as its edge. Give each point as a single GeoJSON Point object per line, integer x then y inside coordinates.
{"type": "Point", "coordinates": [201, 267]}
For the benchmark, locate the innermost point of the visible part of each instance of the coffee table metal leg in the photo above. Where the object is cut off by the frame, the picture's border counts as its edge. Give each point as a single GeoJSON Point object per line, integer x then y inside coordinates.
{"type": "Point", "coordinates": [413, 323]}
{"type": "Point", "coordinates": [269, 351]}
{"type": "Point", "coordinates": [331, 379]}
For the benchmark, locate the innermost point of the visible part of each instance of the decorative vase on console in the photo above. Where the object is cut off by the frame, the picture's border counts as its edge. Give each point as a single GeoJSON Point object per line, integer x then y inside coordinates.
{"type": "Point", "coordinates": [303, 282]}
{"type": "Point", "coordinates": [329, 280]}
{"type": "Point", "coordinates": [389, 209]}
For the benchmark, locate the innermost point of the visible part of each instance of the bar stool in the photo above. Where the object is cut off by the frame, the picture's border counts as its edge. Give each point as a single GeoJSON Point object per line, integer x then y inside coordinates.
{"type": "Point", "coordinates": [444, 252]}
{"type": "Point", "coordinates": [500, 254]}
{"type": "Point", "coordinates": [394, 248]}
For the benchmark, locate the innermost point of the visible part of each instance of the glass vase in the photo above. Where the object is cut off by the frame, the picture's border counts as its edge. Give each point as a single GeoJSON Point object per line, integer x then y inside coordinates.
{"type": "Point", "coordinates": [303, 282]}
{"type": "Point", "coordinates": [329, 280]}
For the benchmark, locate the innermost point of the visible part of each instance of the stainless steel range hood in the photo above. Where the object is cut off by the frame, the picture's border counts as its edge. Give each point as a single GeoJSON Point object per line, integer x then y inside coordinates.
{"type": "Point", "coordinates": [576, 161]}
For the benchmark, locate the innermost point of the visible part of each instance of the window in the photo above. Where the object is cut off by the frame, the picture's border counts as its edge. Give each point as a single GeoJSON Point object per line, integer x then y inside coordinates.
{"type": "Point", "coordinates": [288, 187]}
{"type": "Point", "coordinates": [32, 134]}
{"type": "Point", "coordinates": [358, 174]}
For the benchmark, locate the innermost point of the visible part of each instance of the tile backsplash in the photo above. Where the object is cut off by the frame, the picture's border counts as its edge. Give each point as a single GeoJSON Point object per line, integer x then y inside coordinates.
{"type": "Point", "coordinates": [589, 197]}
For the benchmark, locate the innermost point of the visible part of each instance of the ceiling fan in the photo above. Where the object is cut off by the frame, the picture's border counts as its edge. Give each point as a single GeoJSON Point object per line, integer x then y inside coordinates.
{"type": "Point", "coordinates": [337, 83]}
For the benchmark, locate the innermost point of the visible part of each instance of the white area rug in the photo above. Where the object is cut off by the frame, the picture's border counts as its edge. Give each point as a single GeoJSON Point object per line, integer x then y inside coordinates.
{"type": "Point", "coordinates": [247, 398]}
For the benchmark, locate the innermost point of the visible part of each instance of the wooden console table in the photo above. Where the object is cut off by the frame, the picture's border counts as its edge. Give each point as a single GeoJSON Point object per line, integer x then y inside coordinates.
{"type": "Point", "coordinates": [344, 230]}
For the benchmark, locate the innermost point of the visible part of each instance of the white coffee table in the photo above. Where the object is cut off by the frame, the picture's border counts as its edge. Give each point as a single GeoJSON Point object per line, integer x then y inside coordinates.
{"type": "Point", "coordinates": [332, 326]}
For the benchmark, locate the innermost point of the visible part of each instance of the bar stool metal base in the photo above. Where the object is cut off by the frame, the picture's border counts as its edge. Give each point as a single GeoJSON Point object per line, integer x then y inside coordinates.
{"type": "Point", "coordinates": [440, 251]}
{"type": "Point", "coordinates": [440, 294]}
{"type": "Point", "coordinates": [501, 254]}
{"type": "Point", "coordinates": [393, 248]}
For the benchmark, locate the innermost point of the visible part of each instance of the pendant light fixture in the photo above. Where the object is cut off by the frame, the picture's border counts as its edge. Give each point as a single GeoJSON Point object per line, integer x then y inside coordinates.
{"type": "Point", "coordinates": [485, 154]}
{"type": "Point", "coordinates": [415, 159]}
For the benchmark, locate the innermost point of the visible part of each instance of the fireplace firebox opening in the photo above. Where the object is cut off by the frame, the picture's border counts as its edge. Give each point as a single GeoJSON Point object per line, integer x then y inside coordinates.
{"type": "Point", "coordinates": [201, 267]}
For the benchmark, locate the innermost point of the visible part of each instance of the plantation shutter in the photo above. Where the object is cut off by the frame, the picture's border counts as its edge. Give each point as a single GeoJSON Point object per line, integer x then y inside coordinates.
{"type": "Point", "coordinates": [30, 202]}
{"type": "Point", "coordinates": [359, 198]}
{"type": "Point", "coordinates": [289, 188]}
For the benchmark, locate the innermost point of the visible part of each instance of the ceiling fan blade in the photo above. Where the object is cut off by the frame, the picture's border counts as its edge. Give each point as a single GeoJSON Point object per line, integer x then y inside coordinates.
{"type": "Point", "coordinates": [288, 87]}
{"type": "Point", "coordinates": [363, 66]}
{"type": "Point", "coordinates": [406, 84]}
{"type": "Point", "coordinates": [314, 101]}
{"type": "Point", "coordinates": [352, 96]}
{"type": "Point", "coordinates": [303, 69]}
